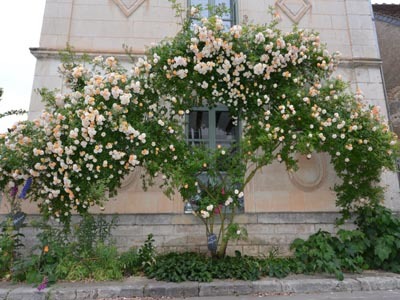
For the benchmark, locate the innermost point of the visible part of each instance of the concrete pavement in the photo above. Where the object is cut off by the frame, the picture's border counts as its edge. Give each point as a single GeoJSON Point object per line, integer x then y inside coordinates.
{"type": "Point", "coordinates": [373, 295]}
{"type": "Point", "coordinates": [143, 287]}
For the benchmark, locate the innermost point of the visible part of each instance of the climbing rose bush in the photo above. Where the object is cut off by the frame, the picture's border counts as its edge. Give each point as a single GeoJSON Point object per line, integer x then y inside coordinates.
{"type": "Point", "coordinates": [280, 88]}
{"type": "Point", "coordinates": [87, 140]}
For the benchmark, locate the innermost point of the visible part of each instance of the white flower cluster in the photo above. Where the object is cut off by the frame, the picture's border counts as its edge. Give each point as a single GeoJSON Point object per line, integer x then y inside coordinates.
{"type": "Point", "coordinates": [93, 135]}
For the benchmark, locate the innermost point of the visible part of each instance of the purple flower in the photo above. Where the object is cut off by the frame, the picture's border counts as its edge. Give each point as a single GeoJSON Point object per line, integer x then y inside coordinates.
{"type": "Point", "coordinates": [43, 285]}
{"type": "Point", "coordinates": [14, 191]}
{"type": "Point", "coordinates": [26, 188]}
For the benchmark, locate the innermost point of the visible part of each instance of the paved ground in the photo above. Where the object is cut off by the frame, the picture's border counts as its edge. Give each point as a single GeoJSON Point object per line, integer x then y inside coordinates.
{"type": "Point", "coordinates": [376, 295]}
{"type": "Point", "coordinates": [369, 285]}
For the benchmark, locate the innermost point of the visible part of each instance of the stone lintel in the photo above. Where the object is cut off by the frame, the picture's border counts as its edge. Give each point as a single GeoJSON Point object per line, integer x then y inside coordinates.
{"type": "Point", "coordinates": [41, 53]}
{"type": "Point", "coordinates": [356, 62]}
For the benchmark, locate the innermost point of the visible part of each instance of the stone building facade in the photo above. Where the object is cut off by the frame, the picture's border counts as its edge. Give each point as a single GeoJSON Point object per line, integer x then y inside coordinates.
{"type": "Point", "coordinates": [278, 206]}
{"type": "Point", "coordinates": [387, 22]}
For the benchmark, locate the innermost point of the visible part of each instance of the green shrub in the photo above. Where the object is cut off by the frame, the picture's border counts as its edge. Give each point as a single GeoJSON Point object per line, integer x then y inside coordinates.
{"type": "Point", "coordinates": [147, 253]}
{"type": "Point", "coordinates": [350, 248]}
{"type": "Point", "coordinates": [325, 253]}
{"type": "Point", "coordinates": [91, 231]}
{"type": "Point", "coordinates": [101, 264]}
{"type": "Point", "coordinates": [382, 231]}
{"type": "Point", "coordinates": [85, 252]}
{"type": "Point", "coordinates": [189, 266]}
{"type": "Point", "coordinates": [52, 248]}
{"type": "Point", "coordinates": [318, 254]}
{"type": "Point", "coordinates": [236, 267]}
{"type": "Point", "coordinates": [178, 267]}
{"type": "Point", "coordinates": [130, 262]}
{"type": "Point", "coordinates": [10, 241]}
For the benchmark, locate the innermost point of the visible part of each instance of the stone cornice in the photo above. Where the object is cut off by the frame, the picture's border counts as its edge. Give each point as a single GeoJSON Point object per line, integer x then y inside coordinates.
{"type": "Point", "coordinates": [55, 53]}
{"type": "Point", "coordinates": [121, 55]}
{"type": "Point", "coordinates": [360, 61]}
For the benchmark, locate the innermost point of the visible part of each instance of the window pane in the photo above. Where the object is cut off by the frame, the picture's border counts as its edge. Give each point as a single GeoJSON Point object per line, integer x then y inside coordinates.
{"type": "Point", "coordinates": [197, 143]}
{"type": "Point", "coordinates": [204, 6]}
{"type": "Point", "coordinates": [198, 125]}
{"type": "Point", "coordinates": [224, 144]}
{"type": "Point", "coordinates": [225, 130]}
{"type": "Point", "coordinates": [227, 25]}
{"type": "Point", "coordinates": [227, 5]}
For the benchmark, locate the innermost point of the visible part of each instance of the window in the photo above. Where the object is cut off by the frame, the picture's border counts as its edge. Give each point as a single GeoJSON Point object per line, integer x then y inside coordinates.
{"type": "Point", "coordinates": [210, 128]}
{"type": "Point", "coordinates": [229, 18]}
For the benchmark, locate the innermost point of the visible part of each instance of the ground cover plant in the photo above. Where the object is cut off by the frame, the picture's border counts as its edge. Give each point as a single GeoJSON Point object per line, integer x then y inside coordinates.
{"type": "Point", "coordinates": [84, 252]}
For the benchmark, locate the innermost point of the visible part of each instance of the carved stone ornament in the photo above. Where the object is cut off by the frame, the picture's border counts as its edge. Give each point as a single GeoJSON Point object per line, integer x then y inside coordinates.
{"type": "Point", "coordinates": [132, 179]}
{"type": "Point", "coordinates": [128, 6]}
{"type": "Point", "coordinates": [294, 9]}
{"type": "Point", "coordinates": [311, 172]}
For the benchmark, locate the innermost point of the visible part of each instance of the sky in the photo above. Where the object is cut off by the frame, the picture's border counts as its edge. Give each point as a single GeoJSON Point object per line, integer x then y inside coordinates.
{"type": "Point", "coordinates": [20, 27]}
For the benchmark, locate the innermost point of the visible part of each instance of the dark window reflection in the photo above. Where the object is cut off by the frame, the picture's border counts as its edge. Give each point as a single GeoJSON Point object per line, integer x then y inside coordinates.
{"type": "Point", "coordinates": [225, 130]}
{"type": "Point", "coordinates": [198, 125]}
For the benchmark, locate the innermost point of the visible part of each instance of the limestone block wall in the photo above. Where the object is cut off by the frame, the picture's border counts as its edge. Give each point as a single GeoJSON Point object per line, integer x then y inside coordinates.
{"type": "Point", "coordinates": [178, 232]}
{"type": "Point", "coordinates": [102, 26]}
{"type": "Point", "coordinates": [389, 44]}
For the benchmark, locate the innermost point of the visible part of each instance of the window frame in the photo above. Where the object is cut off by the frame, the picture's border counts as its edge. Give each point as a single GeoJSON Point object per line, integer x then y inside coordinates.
{"type": "Point", "coordinates": [233, 11]}
{"type": "Point", "coordinates": [211, 142]}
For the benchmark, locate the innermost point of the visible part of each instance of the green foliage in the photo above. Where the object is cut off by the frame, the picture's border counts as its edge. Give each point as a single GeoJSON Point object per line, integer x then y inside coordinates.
{"type": "Point", "coordinates": [178, 267]}
{"type": "Point", "coordinates": [236, 267]}
{"type": "Point", "coordinates": [318, 254]}
{"type": "Point", "coordinates": [351, 247]}
{"type": "Point", "coordinates": [130, 262]}
{"type": "Point", "coordinates": [325, 253]}
{"type": "Point", "coordinates": [188, 266]}
{"type": "Point", "coordinates": [279, 267]}
{"type": "Point", "coordinates": [382, 232]}
{"type": "Point", "coordinates": [10, 241]}
{"type": "Point", "coordinates": [83, 253]}
{"type": "Point", "coordinates": [92, 230]}
{"type": "Point", "coordinates": [147, 253]}
{"type": "Point", "coordinates": [139, 260]}
{"type": "Point", "coordinates": [100, 264]}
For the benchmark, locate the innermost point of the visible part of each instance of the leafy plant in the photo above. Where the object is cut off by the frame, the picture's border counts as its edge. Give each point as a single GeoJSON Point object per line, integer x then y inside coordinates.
{"type": "Point", "coordinates": [101, 264]}
{"type": "Point", "coordinates": [189, 266]}
{"type": "Point", "coordinates": [351, 247]}
{"type": "Point", "coordinates": [178, 267]}
{"type": "Point", "coordinates": [45, 257]}
{"type": "Point", "coordinates": [75, 254]}
{"type": "Point", "coordinates": [236, 267]}
{"type": "Point", "coordinates": [130, 262]}
{"type": "Point", "coordinates": [382, 233]}
{"type": "Point", "coordinates": [275, 266]}
{"type": "Point", "coordinates": [318, 254]}
{"type": "Point", "coordinates": [92, 230]}
{"type": "Point", "coordinates": [147, 253]}
{"type": "Point", "coordinates": [10, 241]}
